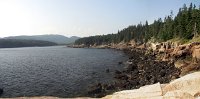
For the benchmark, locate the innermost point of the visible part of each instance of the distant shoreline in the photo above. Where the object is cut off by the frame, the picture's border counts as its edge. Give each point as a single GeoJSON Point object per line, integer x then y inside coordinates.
{"type": "Point", "coordinates": [15, 43]}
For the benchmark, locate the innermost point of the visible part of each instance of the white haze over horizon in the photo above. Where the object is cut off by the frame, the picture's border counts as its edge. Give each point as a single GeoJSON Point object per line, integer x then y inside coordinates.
{"type": "Point", "coordinates": [80, 17]}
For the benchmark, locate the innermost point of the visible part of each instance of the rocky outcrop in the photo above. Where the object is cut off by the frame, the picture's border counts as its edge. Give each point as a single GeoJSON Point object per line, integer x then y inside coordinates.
{"type": "Point", "coordinates": [120, 46]}
{"type": "Point", "coordinates": [154, 63]}
{"type": "Point", "coordinates": [142, 46]}
{"type": "Point", "coordinates": [196, 53]}
{"type": "Point", "coordinates": [143, 92]}
{"type": "Point", "coordinates": [186, 87]}
{"type": "Point", "coordinates": [154, 46]}
{"type": "Point", "coordinates": [171, 50]}
{"type": "Point", "coordinates": [188, 54]}
{"type": "Point", "coordinates": [188, 84]}
{"type": "Point", "coordinates": [101, 46]}
{"type": "Point", "coordinates": [180, 51]}
{"type": "Point", "coordinates": [77, 46]}
{"type": "Point", "coordinates": [132, 43]}
{"type": "Point", "coordinates": [139, 70]}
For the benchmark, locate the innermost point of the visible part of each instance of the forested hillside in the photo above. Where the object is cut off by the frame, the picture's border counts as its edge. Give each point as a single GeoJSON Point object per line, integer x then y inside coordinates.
{"type": "Point", "coordinates": [59, 39]}
{"type": "Point", "coordinates": [184, 25]}
{"type": "Point", "coordinates": [11, 43]}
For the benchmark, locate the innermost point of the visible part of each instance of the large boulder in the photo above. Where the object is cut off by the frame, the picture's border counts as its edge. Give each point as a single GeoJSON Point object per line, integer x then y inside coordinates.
{"type": "Point", "coordinates": [186, 87]}
{"type": "Point", "coordinates": [143, 92]}
{"type": "Point", "coordinates": [180, 51]}
{"type": "Point", "coordinates": [162, 49]}
{"type": "Point", "coordinates": [189, 84]}
{"type": "Point", "coordinates": [143, 46]}
{"type": "Point", "coordinates": [155, 46]}
{"type": "Point", "coordinates": [177, 94]}
{"type": "Point", "coordinates": [196, 52]}
{"type": "Point", "coordinates": [165, 46]}
{"type": "Point", "coordinates": [180, 64]}
{"type": "Point", "coordinates": [132, 43]}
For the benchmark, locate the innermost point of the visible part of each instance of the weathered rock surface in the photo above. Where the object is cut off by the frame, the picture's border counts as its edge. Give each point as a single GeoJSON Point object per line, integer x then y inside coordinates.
{"type": "Point", "coordinates": [186, 87]}
{"type": "Point", "coordinates": [189, 84]}
{"type": "Point", "coordinates": [140, 70]}
{"type": "Point", "coordinates": [77, 46]}
{"type": "Point", "coordinates": [47, 97]}
{"type": "Point", "coordinates": [196, 52]}
{"type": "Point", "coordinates": [189, 54]}
{"type": "Point", "coordinates": [143, 92]}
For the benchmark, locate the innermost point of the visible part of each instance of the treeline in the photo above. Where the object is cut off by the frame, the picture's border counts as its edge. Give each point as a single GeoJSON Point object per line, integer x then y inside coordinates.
{"type": "Point", "coordinates": [12, 43]}
{"type": "Point", "coordinates": [185, 25]}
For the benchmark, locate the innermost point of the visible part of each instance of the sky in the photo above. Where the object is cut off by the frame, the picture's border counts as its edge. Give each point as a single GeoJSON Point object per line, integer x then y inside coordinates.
{"type": "Point", "coordinates": [80, 17]}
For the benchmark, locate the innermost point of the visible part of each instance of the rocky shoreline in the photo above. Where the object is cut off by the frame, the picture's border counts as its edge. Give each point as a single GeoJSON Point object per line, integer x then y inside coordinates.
{"type": "Point", "coordinates": [141, 69]}
{"type": "Point", "coordinates": [161, 64]}
{"type": "Point", "coordinates": [149, 63]}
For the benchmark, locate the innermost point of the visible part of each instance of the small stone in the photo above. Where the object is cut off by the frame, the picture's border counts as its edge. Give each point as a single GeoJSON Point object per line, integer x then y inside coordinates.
{"type": "Point", "coordinates": [1, 91]}
{"type": "Point", "coordinates": [120, 63]}
{"type": "Point", "coordinates": [117, 72]}
{"type": "Point", "coordinates": [107, 70]}
{"type": "Point", "coordinates": [95, 89]}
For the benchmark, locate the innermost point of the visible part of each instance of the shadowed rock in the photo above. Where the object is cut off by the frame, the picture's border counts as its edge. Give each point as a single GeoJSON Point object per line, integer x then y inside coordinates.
{"type": "Point", "coordinates": [1, 91]}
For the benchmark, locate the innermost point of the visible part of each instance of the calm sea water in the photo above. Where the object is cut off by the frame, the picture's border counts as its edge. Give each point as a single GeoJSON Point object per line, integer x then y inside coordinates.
{"type": "Point", "coordinates": [55, 71]}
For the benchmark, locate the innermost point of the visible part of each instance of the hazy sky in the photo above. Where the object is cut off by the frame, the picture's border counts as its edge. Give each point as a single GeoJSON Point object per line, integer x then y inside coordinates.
{"type": "Point", "coordinates": [80, 17]}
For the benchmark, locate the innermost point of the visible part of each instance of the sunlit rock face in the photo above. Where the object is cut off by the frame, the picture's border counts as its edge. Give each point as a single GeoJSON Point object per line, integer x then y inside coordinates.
{"type": "Point", "coordinates": [186, 87]}
{"type": "Point", "coordinates": [196, 52]}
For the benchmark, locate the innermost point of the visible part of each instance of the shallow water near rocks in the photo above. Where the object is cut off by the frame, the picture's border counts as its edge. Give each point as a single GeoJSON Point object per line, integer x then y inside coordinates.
{"type": "Point", "coordinates": [55, 71]}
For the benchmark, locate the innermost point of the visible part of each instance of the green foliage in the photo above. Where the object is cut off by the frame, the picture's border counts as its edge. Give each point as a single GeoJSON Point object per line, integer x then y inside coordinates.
{"type": "Point", "coordinates": [185, 25]}
{"type": "Point", "coordinates": [179, 40]}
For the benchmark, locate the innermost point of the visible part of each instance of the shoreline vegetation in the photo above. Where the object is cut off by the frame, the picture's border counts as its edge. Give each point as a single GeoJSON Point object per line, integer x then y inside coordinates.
{"type": "Point", "coordinates": [158, 53]}
{"type": "Point", "coordinates": [35, 41]}
{"type": "Point", "coordinates": [182, 28]}
{"type": "Point", "coordinates": [15, 43]}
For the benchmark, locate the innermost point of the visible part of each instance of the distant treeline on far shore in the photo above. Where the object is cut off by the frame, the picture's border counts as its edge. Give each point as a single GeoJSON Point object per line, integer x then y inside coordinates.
{"type": "Point", "coordinates": [12, 43]}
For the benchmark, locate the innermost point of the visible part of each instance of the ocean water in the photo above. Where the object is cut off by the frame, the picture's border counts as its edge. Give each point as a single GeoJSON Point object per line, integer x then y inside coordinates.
{"type": "Point", "coordinates": [55, 71]}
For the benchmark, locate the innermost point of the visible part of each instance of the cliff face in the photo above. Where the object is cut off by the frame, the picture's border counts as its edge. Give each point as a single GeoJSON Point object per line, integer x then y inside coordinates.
{"type": "Point", "coordinates": [186, 57]}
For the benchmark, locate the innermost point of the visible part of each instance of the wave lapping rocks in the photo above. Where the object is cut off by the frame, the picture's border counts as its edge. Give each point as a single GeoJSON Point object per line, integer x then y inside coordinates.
{"type": "Point", "coordinates": [141, 69]}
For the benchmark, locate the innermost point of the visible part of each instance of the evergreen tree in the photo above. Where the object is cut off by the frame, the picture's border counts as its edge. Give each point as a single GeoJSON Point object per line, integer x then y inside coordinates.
{"type": "Point", "coordinates": [186, 24]}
